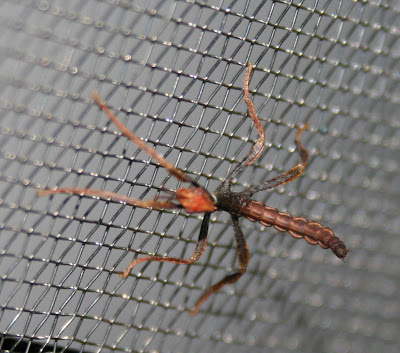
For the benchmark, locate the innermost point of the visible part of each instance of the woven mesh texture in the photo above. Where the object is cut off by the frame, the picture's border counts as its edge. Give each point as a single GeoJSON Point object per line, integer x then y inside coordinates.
{"type": "Point", "coordinates": [173, 73]}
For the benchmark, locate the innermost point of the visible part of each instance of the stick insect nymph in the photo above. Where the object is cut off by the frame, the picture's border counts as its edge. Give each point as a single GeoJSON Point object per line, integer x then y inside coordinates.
{"type": "Point", "coordinates": [239, 204]}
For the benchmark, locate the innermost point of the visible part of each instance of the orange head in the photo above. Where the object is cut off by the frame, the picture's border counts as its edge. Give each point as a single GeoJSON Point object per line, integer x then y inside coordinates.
{"type": "Point", "coordinates": [195, 200]}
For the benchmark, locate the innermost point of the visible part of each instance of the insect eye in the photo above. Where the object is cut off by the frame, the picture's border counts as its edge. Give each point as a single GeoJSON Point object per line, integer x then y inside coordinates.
{"type": "Point", "coordinates": [213, 197]}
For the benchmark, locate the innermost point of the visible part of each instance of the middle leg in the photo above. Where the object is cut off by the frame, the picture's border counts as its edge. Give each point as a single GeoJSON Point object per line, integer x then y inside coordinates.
{"type": "Point", "coordinates": [288, 176]}
{"type": "Point", "coordinates": [198, 252]}
{"type": "Point", "coordinates": [244, 257]}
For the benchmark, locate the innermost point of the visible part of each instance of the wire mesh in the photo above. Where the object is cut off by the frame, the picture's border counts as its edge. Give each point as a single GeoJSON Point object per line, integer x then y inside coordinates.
{"type": "Point", "coordinates": [173, 72]}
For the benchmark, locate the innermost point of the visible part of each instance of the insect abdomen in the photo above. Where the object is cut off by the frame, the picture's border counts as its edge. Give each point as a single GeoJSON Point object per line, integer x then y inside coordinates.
{"type": "Point", "coordinates": [313, 232]}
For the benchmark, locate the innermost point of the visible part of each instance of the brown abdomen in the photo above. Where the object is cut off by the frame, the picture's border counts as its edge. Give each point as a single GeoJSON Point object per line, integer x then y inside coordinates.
{"type": "Point", "coordinates": [313, 232]}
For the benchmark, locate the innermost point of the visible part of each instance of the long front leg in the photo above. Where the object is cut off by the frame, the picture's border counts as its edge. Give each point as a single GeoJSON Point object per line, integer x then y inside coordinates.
{"type": "Point", "coordinates": [288, 176]}
{"type": "Point", "coordinates": [198, 252]}
{"type": "Point", "coordinates": [179, 174]}
{"type": "Point", "coordinates": [108, 195]}
{"type": "Point", "coordinates": [244, 256]}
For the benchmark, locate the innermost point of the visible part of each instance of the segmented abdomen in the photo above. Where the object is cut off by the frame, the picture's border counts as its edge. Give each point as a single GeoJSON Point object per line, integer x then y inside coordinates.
{"type": "Point", "coordinates": [313, 232]}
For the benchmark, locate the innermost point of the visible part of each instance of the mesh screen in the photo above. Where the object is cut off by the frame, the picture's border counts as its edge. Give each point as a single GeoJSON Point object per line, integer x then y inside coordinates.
{"type": "Point", "coordinates": [173, 72]}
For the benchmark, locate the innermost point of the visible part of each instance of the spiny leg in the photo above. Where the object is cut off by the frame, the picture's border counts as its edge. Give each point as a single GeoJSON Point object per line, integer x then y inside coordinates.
{"type": "Point", "coordinates": [244, 256]}
{"type": "Point", "coordinates": [198, 252]}
{"type": "Point", "coordinates": [259, 145]}
{"type": "Point", "coordinates": [288, 176]}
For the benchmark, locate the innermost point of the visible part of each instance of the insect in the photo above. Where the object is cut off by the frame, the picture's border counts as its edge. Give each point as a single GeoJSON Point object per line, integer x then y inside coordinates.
{"type": "Point", "coordinates": [239, 204]}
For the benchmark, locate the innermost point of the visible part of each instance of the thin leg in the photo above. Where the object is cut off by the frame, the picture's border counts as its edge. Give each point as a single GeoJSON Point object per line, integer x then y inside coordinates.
{"type": "Point", "coordinates": [155, 205]}
{"type": "Point", "coordinates": [290, 175]}
{"type": "Point", "coordinates": [198, 252]}
{"type": "Point", "coordinates": [259, 145]}
{"type": "Point", "coordinates": [198, 193]}
{"type": "Point", "coordinates": [179, 174]}
{"type": "Point", "coordinates": [244, 256]}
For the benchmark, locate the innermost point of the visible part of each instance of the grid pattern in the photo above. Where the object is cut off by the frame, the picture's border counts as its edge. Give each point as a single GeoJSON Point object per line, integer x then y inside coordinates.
{"type": "Point", "coordinates": [173, 73]}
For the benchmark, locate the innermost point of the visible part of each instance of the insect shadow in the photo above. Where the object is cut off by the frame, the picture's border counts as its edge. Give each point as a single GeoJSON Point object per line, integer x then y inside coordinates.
{"type": "Point", "coordinates": [238, 204]}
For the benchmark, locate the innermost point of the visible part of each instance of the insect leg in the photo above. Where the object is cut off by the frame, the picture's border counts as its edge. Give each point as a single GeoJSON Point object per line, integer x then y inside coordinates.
{"type": "Point", "coordinates": [152, 204]}
{"type": "Point", "coordinates": [187, 196]}
{"type": "Point", "coordinates": [244, 256]}
{"type": "Point", "coordinates": [198, 252]}
{"type": "Point", "coordinates": [288, 176]}
{"type": "Point", "coordinates": [179, 174]}
{"type": "Point", "coordinates": [259, 145]}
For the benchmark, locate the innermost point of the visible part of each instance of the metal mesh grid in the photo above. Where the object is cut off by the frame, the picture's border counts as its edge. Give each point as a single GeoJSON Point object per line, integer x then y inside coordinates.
{"type": "Point", "coordinates": [173, 72]}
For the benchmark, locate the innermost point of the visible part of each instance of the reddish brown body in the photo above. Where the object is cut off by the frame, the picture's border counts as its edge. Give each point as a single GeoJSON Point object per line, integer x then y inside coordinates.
{"type": "Point", "coordinates": [312, 231]}
{"type": "Point", "coordinates": [197, 199]}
